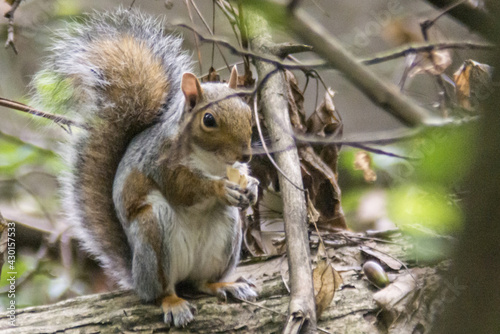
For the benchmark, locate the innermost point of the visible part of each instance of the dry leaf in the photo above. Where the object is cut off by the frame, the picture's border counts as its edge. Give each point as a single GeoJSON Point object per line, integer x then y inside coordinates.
{"type": "Point", "coordinates": [324, 120]}
{"type": "Point", "coordinates": [212, 76]}
{"type": "Point", "coordinates": [326, 280]}
{"type": "Point", "coordinates": [363, 161]}
{"type": "Point", "coordinates": [295, 103]}
{"type": "Point", "coordinates": [472, 83]}
{"type": "Point", "coordinates": [321, 181]}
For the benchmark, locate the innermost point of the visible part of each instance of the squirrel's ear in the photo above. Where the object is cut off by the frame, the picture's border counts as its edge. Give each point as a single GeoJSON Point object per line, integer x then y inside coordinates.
{"type": "Point", "coordinates": [233, 80]}
{"type": "Point", "coordinates": [192, 89]}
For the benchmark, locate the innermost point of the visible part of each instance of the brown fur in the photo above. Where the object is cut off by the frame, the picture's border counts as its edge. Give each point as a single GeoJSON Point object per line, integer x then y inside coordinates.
{"type": "Point", "coordinates": [136, 188]}
{"type": "Point", "coordinates": [171, 301]}
{"type": "Point", "coordinates": [214, 287]}
{"type": "Point", "coordinates": [186, 188]}
{"type": "Point", "coordinates": [136, 78]}
{"type": "Point", "coordinates": [134, 82]}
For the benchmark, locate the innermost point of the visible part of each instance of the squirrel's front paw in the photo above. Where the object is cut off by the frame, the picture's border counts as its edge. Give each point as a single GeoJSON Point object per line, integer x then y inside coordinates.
{"type": "Point", "coordinates": [236, 195]}
{"type": "Point", "coordinates": [177, 311]}
{"type": "Point", "coordinates": [252, 189]}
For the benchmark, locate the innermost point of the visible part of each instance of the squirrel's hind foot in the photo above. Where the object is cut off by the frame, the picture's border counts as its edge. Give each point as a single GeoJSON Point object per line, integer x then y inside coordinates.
{"type": "Point", "coordinates": [177, 311]}
{"type": "Point", "coordinates": [241, 289]}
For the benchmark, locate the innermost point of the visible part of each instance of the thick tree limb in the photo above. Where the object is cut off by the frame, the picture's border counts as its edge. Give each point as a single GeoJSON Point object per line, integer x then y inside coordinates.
{"type": "Point", "coordinates": [274, 103]}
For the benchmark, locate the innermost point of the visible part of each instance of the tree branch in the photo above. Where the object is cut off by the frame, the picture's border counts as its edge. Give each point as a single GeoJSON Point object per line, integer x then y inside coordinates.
{"type": "Point", "coordinates": [476, 19]}
{"type": "Point", "coordinates": [275, 109]}
{"type": "Point", "coordinates": [27, 109]}
{"type": "Point", "coordinates": [382, 94]}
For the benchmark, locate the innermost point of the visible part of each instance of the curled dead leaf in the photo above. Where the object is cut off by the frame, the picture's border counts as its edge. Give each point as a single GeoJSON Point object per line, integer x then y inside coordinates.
{"type": "Point", "coordinates": [363, 161]}
{"type": "Point", "coordinates": [472, 83]}
{"type": "Point", "coordinates": [295, 103]}
{"type": "Point", "coordinates": [324, 121]}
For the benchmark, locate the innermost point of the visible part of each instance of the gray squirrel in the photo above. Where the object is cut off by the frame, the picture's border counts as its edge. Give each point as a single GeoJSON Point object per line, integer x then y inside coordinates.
{"type": "Point", "coordinates": [148, 188]}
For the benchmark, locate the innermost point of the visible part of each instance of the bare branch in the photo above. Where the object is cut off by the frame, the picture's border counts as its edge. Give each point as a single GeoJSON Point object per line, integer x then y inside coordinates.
{"type": "Point", "coordinates": [210, 31]}
{"type": "Point", "coordinates": [10, 30]}
{"type": "Point", "coordinates": [391, 55]}
{"type": "Point", "coordinates": [61, 120]}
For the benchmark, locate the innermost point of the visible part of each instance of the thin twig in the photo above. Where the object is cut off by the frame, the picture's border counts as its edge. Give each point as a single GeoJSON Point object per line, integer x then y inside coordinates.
{"type": "Point", "coordinates": [196, 36]}
{"type": "Point", "coordinates": [306, 66]}
{"type": "Point", "coordinates": [10, 30]}
{"type": "Point", "coordinates": [427, 48]}
{"type": "Point", "coordinates": [427, 24]}
{"type": "Point", "coordinates": [379, 151]}
{"type": "Point", "coordinates": [210, 31]}
{"type": "Point", "coordinates": [25, 108]}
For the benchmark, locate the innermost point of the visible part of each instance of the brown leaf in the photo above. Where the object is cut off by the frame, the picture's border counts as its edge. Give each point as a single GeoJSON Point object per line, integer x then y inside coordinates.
{"type": "Point", "coordinates": [295, 102]}
{"type": "Point", "coordinates": [472, 82]}
{"type": "Point", "coordinates": [212, 76]}
{"type": "Point", "coordinates": [324, 120]}
{"type": "Point", "coordinates": [321, 181]}
{"type": "Point", "coordinates": [363, 161]}
{"type": "Point", "coordinates": [326, 280]}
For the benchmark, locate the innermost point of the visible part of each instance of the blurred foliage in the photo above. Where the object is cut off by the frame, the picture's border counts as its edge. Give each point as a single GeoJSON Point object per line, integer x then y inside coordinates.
{"type": "Point", "coordinates": [423, 192]}
{"type": "Point", "coordinates": [16, 156]}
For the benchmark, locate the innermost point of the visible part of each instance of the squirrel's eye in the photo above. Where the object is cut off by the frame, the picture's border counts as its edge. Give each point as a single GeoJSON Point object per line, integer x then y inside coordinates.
{"type": "Point", "coordinates": [209, 120]}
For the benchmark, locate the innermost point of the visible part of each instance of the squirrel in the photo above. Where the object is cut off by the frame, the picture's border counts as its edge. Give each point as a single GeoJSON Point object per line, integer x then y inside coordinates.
{"type": "Point", "coordinates": [147, 186]}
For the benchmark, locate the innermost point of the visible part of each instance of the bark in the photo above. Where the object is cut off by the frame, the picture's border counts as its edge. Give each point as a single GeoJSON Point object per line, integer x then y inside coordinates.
{"type": "Point", "coordinates": [353, 309]}
{"type": "Point", "coordinates": [274, 103]}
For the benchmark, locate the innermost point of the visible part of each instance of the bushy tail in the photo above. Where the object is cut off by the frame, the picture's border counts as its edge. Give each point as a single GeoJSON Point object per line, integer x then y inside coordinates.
{"type": "Point", "coordinates": [114, 73]}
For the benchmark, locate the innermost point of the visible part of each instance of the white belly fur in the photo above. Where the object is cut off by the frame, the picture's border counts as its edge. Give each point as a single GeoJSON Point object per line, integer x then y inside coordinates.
{"type": "Point", "coordinates": [199, 238]}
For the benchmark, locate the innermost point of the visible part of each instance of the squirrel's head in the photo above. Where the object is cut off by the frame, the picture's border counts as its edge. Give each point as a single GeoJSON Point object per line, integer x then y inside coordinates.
{"type": "Point", "coordinates": [220, 122]}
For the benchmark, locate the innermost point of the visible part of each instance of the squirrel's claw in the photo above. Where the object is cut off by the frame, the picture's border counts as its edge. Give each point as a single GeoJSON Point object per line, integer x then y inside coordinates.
{"type": "Point", "coordinates": [240, 197]}
{"type": "Point", "coordinates": [241, 289]}
{"type": "Point", "coordinates": [252, 190]}
{"type": "Point", "coordinates": [236, 195]}
{"type": "Point", "coordinates": [178, 313]}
